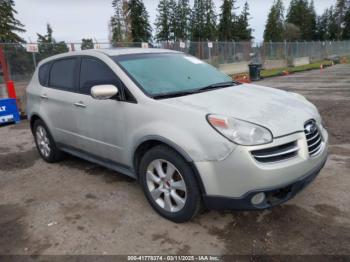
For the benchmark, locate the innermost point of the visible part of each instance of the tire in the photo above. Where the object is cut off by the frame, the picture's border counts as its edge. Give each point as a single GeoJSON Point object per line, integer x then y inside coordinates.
{"type": "Point", "coordinates": [169, 184]}
{"type": "Point", "coordinates": [45, 144]}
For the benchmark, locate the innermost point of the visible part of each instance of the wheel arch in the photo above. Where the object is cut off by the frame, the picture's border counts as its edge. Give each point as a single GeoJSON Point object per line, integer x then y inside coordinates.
{"type": "Point", "coordinates": [32, 120]}
{"type": "Point", "coordinates": [149, 142]}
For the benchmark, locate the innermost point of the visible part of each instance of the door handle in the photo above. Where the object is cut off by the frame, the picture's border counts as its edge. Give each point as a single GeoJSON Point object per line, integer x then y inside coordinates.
{"type": "Point", "coordinates": [80, 104]}
{"type": "Point", "coordinates": [44, 96]}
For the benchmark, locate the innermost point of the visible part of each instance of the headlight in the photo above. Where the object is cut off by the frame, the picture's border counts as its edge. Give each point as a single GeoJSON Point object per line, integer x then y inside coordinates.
{"type": "Point", "coordinates": [239, 131]}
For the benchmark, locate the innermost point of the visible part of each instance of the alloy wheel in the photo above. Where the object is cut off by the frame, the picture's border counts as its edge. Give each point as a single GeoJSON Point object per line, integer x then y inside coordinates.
{"type": "Point", "coordinates": [166, 185]}
{"type": "Point", "coordinates": [43, 141]}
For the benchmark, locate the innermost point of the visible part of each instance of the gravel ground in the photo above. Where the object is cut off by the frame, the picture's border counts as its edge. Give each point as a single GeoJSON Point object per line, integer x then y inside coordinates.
{"type": "Point", "coordinates": [76, 207]}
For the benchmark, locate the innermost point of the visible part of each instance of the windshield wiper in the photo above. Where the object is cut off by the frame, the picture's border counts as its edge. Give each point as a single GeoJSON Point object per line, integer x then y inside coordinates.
{"type": "Point", "coordinates": [174, 94]}
{"type": "Point", "coordinates": [195, 91]}
{"type": "Point", "coordinates": [217, 85]}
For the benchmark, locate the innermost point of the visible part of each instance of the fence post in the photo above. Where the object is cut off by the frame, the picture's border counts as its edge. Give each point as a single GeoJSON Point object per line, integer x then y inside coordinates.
{"type": "Point", "coordinates": [271, 51]}
{"type": "Point", "coordinates": [297, 49]}
{"type": "Point", "coordinates": [285, 50]}
{"type": "Point", "coordinates": [34, 59]}
{"type": "Point", "coordinates": [209, 52]}
{"type": "Point", "coordinates": [234, 50]}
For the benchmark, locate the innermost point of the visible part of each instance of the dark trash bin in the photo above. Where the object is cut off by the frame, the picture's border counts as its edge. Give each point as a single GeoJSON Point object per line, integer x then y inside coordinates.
{"type": "Point", "coordinates": [254, 72]}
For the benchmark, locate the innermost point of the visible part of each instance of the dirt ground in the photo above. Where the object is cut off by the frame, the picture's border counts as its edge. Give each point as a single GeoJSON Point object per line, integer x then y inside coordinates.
{"type": "Point", "coordinates": [76, 207]}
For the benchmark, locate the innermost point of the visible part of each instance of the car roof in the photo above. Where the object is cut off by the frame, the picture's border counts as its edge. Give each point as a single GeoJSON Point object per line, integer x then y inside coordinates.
{"type": "Point", "coordinates": [110, 52]}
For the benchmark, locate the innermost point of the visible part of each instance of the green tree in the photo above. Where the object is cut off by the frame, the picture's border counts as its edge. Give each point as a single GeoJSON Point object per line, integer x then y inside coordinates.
{"type": "Point", "coordinates": [138, 17]}
{"type": "Point", "coordinates": [87, 44]}
{"type": "Point", "coordinates": [274, 29]}
{"type": "Point", "coordinates": [203, 21]}
{"type": "Point", "coordinates": [118, 22]}
{"type": "Point", "coordinates": [227, 20]}
{"type": "Point", "coordinates": [9, 25]}
{"type": "Point", "coordinates": [48, 45]}
{"type": "Point", "coordinates": [162, 24]}
{"type": "Point", "coordinates": [322, 26]}
{"type": "Point", "coordinates": [198, 21]}
{"type": "Point", "coordinates": [312, 20]}
{"type": "Point", "coordinates": [210, 21]}
{"type": "Point", "coordinates": [346, 28]}
{"type": "Point", "coordinates": [299, 15]}
{"type": "Point", "coordinates": [339, 15]}
{"type": "Point", "coordinates": [173, 19]}
{"type": "Point", "coordinates": [333, 29]}
{"type": "Point", "coordinates": [244, 32]}
{"type": "Point", "coordinates": [182, 14]}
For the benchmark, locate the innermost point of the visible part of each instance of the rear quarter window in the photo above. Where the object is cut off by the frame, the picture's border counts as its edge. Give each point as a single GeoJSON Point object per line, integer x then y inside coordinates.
{"type": "Point", "coordinates": [44, 71]}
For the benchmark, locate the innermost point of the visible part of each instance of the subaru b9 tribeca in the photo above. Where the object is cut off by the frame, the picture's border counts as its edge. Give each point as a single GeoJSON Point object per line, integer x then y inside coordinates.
{"type": "Point", "coordinates": [186, 131]}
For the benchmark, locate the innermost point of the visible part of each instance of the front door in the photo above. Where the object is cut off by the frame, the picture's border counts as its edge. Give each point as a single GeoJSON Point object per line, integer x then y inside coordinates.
{"type": "Point", "coordinates": [100, 122]}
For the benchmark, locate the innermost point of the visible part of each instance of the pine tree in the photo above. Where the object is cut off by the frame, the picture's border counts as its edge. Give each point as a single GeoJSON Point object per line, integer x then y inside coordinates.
{"type": "Point", "coordinates": [299, 15]}
{"type": "Point", "coordinates": [339, 14]}
{"type": "Point", "coordinates": [226, 23]}
{"type": "Point", "coordinates": [118, 22]}
{"type": "Point", "coordinates": [346, 29]}
{"type": "Point", "coordinates": [141, 30]}
{"type": "Point", "coordinates": [244, 32]}
{"type": "Point", "coordinates": [183, 13]}
{"type": "Point", "coordinates": [333, 29]}
{"type": "Point", "coordinates": [313, 20]}
{"type": "Point", "coordinates": [203, 21]}
{"type": "Point", "coordinates": [322, 26]}
{"type": "Point", "coordinates": [48, 45]}
{"type": "Point", "coordinates": [87, 44]}
{"type": "Point", "coordinates": [173, 20]}
{"type": "Point", "coordinates": [9, 25]}
{"type": "Point", "coordinates": [274, 29]}
{"type": "Point", "coordinates": [163, 21]}
{"type": "Point", "coordinates": [198, 21]}
{"type": "Point", "coordinates": [210, 21]}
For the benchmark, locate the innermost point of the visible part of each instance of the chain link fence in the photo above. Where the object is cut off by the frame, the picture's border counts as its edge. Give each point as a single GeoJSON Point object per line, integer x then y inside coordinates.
{"type": "Point", "coordinates": [224, 55]}
{"type": "Point", "coordinates": [21, 64]}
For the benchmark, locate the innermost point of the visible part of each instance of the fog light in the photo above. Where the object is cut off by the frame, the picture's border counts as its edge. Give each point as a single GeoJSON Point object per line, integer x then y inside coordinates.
{"type": "Point", "coordinates": [258, 199]}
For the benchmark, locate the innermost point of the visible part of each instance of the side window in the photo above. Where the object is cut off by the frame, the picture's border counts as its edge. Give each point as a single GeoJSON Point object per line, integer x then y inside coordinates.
{"type": "Point", "coordinates": [94, 72]}
{"type": "Point", "coordinates": [44, 74]}
{"type": "Point", "coordinates": [63, 74]}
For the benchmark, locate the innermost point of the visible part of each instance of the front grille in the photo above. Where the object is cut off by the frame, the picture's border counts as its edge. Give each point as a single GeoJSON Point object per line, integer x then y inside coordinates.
{"type": "Point", "coordinates": [313, 137]}
{"type": "Point", "coordinates": [276, 153]}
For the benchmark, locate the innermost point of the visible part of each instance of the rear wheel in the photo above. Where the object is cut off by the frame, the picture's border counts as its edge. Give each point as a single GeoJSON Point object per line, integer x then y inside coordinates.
{"type": "Point", "coordinates": [169, 184]}
{"type": "Point", "coordinates": [45, 144]}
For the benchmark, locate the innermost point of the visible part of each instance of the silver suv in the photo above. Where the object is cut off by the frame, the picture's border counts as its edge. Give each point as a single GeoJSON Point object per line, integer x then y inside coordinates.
{"type": "Point", "coordinates": [186, 131]}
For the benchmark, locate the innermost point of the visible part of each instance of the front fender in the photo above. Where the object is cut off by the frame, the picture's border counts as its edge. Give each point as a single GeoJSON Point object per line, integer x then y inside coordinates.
{"type": "Point", "coordinates": [195, 144]}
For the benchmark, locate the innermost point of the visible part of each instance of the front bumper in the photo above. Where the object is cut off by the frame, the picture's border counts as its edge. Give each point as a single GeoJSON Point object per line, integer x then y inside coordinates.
{"type": "Point", "coordinates": [231, 183]}
{"type": "Point", "coordinates": [274, 196]}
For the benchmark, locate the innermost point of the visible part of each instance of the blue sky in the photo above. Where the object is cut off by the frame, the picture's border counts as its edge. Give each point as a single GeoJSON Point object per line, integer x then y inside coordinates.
{"type": "Point", "coordinates": [73, 20]}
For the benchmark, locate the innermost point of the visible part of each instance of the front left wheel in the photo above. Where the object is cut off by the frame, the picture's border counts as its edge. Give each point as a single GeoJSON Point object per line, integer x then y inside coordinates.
{"type": "Point", "coordinates": [169, 184]}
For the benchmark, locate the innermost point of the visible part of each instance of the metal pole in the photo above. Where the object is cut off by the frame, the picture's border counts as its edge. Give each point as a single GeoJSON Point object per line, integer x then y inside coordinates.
{"type": "Point", "coordinates": [209, 52]}
{"type": "Point", "coordinates": [285, 50]}
{"type": "Point", "coordinates": [34, 59]}
{"type": "Point", "coordinates": [271, 51]}
{"type": "Point", "coordinates": [234, 51]}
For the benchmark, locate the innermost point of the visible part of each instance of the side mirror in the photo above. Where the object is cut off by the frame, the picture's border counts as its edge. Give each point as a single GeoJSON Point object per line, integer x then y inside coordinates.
{"type": "Point", "coordinates": [104, 91]}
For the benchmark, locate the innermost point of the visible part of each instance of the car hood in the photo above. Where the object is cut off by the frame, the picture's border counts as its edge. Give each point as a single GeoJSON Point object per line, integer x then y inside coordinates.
{"type": "Point", "coordinates": [280, 111]}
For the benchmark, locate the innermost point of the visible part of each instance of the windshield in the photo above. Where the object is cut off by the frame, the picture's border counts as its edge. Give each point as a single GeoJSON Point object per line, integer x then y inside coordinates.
{"type": "Point", "coordinates": [161, 74]}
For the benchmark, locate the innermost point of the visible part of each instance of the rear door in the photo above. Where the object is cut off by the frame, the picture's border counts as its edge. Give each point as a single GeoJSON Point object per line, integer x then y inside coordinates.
{"type": "Point", "coordinates": [100, 122]}
{"type": "Point", "coordinates": [58, 98]}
